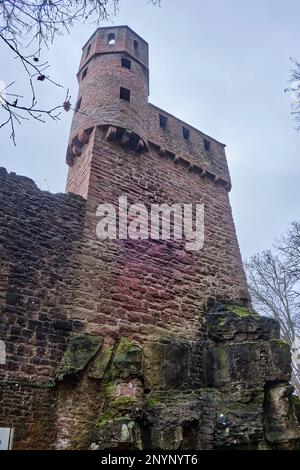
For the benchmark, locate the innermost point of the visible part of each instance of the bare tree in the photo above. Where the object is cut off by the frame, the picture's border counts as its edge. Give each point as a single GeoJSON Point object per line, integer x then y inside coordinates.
{"type": "Point", "coordinates": [274, 283]}
{"type": "Point", "coordinates": [26, 29]}
{"type": "Point", "coordinates": [294, 89]}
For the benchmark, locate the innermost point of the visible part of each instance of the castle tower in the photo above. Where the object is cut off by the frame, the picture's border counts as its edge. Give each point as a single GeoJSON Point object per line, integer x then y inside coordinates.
{"type": "Point", "coordinates": [121, 144]}
{"type": "Point", "coordinates": [113, 82]}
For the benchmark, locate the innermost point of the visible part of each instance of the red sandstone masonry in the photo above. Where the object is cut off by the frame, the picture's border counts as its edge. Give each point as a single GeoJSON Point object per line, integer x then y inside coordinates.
{"type": "Point", "coordinates": [149, 286]}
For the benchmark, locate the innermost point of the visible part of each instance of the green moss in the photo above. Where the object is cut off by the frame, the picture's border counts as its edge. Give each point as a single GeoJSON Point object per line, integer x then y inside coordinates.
{"type": "Point", "coordinates": [109, 388]}
{"type": "Point", "coordinates": [105, 418]}
{"type": "Point", "coordinates": [241, 311]}
{"type": "Point", "coordinates": [280, 342]}
{"type": "Point", "coordinates": [123, 402]}
{"type": "Point", "coordinates": [222, 358]}
{"type": "Point", "coordinates": [127, 348]}
{"type": "Point", "coordinates": [110, 416]}
{"type": "Point", "coordinates": [127, 360]}
{"type": "Point", "coordinates": [223, 321]}
{"type": "Point", "coordinates": [151, 402]}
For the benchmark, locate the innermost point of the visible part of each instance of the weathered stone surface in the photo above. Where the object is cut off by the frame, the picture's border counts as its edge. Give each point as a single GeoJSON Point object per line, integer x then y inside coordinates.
{"type": "Point", "coordinates": [101, 363]}
{"type": "Point", "coordinates": [171, 420]}
{"type": "Point", "coordinates": [81, 349]}
{"type": "Point", "coordinates": [282, 429]}
{"type": "Point", "coordinates": [241, 324]}
{"type": "Point", "coordinates": [127, 359]}
{"type": "Point", "coordinates": [249, 363]}
{"type": "Point", "coordinates": [116, 434]}
{"type": "Point", "coordinates": [239, 421]}
{"type": "Point", "coordinates": [167, 364]}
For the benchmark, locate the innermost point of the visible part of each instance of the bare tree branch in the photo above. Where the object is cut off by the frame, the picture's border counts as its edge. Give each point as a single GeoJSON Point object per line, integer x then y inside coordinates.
{"type": "Point", "coordinates": [294, 90]}
{"type": "Point", "coordinates": [274, 284]}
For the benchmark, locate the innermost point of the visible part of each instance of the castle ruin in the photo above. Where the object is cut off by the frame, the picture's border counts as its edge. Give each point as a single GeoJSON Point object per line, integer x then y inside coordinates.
{"type": "Point", "coordinates": [133, 344]}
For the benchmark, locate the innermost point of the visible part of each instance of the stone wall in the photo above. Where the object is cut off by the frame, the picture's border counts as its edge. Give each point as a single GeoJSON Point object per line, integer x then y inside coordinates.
{"type": "Point", "coordinates": [38, 235]}
{"type": "Point", "coordinates": [112, 344]}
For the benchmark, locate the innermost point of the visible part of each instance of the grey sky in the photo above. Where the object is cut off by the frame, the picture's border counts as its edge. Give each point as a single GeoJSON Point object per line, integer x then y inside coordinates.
{"type": "Point", "coordinates": [220, 65]}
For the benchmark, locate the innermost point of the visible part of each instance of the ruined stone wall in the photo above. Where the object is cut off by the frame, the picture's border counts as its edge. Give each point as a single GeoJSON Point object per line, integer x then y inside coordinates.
{"type": "Point", "coordinates": [38, 234]}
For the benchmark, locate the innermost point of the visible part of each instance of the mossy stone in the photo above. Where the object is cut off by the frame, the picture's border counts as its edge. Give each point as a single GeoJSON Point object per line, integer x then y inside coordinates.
{"type": "Point", "coordinates": [241, 312]}
{"type": "Point", "coordinates": [101, 364]}
{"type": "Point", "coordinates": [127, 360]}
{"type": "Point", "coordinates": [81, 349]}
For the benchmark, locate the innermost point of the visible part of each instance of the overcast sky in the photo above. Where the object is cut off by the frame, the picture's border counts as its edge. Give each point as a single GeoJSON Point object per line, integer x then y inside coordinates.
{"type": "Point", "coordinates": [220, 65]}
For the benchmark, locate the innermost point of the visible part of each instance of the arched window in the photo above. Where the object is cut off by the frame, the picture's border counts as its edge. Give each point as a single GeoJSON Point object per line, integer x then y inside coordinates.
{"type": "Point", "coordinates": [111, 39]}
{"type": "Point", "coordinates": [135, 45]}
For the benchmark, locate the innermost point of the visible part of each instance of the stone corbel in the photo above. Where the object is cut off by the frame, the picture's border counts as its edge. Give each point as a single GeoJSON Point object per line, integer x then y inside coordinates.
{"type": "Point", "coordinates": [111, 133]}
{"type": "Point", "coordinates": [76, 150]}
{"type": "Point", "coordinates": [126, 137]}
{"type": "Point", "coordinates": [162, 152]}
{"type": "Point", "coordinates": [140, 146]}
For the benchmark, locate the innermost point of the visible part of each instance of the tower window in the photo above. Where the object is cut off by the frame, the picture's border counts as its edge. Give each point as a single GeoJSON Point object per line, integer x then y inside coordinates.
{"type": "Point", "coordinates": [135, 45]}
{"type": "Point", "coordinates": [78, 104]}
{"type": "Point", "coordinates": [88, 49]}
{"type": "Point", "coordinates": [111, 39]}
{"type": "Point", "coordinates": [186, 133]}
{"type": "Point", "coordinates": [206, 144]}
{"type": "Point", "coordinates": [84, 73]}
{"type": "Point", "coordinates": [163, 120]}
{"type": "Point", "coordinates": [126, 63]}
{"type": "Point", "coordinates": [125, 94]}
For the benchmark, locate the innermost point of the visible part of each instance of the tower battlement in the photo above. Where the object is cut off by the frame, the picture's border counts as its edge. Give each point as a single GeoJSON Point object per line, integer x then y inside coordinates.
{"type": "Point", "coordinates": [113, 94]}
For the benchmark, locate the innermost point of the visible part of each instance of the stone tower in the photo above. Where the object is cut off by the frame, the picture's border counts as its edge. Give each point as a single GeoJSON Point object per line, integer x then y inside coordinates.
{"type": "Point", "coordinates": [133, 343]}
{"type": "Point", "coordinates": [121, 144]}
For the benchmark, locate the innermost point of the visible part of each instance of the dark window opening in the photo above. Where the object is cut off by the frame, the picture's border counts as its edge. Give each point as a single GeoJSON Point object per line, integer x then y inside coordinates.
{"type": "Point", "coordinates": [125, 94]}
{"type": "Point", "coordinates": [206, 144]}
{"type": "Point", "coordinates": [78, 104]}
{"type": "Point", "coordinates": [163, 120]}
{"type": "Point", "coordinates": [111, 39]}
{"type": "Point", "coordinates": [84, 74]}
{"type": "Point", "coordinates": [186, 133]}
{"type": "Point", "coordinates": [126, 63]}
{"type": "Point", "coordinates": [88, 50]}
{"type": "Point", "coordinates": [136, 45]}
